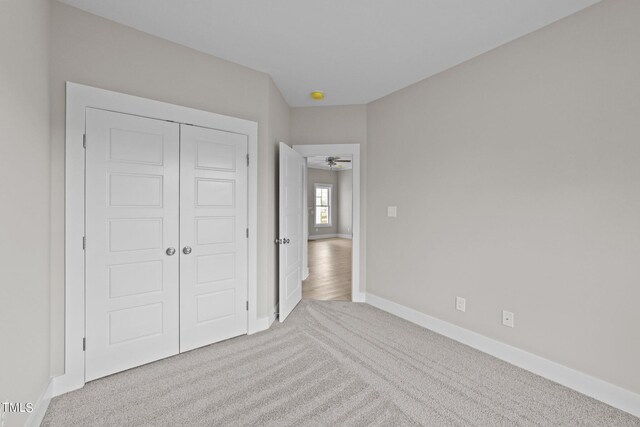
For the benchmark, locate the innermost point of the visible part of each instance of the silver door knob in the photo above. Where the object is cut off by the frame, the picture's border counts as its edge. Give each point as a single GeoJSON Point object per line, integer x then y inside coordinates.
{"type": "Point", "coordinates": [186, 250]}
{"type": "Point", "coordinates": [171, 251]}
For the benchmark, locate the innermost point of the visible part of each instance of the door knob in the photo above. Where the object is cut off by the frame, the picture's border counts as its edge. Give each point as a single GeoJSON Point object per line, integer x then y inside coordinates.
{"type": "Point", "coordinates": [171, 251]}
{"type": "Point", "coordinates": [186, 250]}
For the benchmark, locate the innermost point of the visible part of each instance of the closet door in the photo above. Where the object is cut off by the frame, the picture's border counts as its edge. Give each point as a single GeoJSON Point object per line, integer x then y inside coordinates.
{"type": "Point", "coordinates": [132, 208]}
{"type": "Point", "coordinates": [213, 236]}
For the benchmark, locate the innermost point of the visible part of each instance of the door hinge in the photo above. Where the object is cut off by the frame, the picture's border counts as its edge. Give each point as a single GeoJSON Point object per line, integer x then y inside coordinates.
{"type": "Point", "coordinates": [84, 344]}
{"type": "Point", "coordinates": [84, 140]}
{"type": "Point", "coordinates": [247, 160]}
{"type": "Point", "coordinates": [247, 233]}
{"type": "Point", "coordinates": [84, 242]}
{"type": "Point", "coordinates": [247, 305]}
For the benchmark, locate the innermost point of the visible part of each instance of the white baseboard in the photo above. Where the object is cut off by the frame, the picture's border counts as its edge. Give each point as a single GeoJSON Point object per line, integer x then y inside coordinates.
{"type": "Point", "coordinates": [598, 389]}
{"type": "Point", "coordinates": [274, 315]}
{"type": "Point", "coordinates": [262, 324]}
{"type": "Point", "coordinates": [40, 406]}
{"type": "Point", "coordinates": [329, 236]}
{"type": "Point", "coordinates": [359, 297]}
{"type": "Point", "coordinates": [265, 322]}
{"type": "Point", "coordinates": [322, 236]}
{"type": "Point", "coordinates": [305, 274]}
{"type": "Point", "coordinates": [65, 383]}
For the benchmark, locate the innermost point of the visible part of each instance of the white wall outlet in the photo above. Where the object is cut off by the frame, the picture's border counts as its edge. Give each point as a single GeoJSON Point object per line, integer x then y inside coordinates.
{"type": "Point", "coordinates": [508, 318]}
{"type": "Point", "coordinates": [461, 304]}
{"type": "Point", "coordinates": [392, 211]}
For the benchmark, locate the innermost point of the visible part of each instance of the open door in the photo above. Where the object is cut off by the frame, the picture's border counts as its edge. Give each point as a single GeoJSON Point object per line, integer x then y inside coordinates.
{"type": "Point", "coordinates": [290, 236]}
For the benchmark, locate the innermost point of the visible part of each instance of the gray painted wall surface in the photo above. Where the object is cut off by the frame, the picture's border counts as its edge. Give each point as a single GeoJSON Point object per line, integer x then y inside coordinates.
{"type": "Point", "coordinates": [517, 178]}
{"type": "Point", "coordinates": [345, 202]}
{"type": "Point", "coordinates": [24, 194]}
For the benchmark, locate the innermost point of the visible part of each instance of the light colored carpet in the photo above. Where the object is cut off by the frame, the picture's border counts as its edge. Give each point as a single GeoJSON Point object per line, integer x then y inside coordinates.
{"type": "Point", "coordinates": [331, 363]}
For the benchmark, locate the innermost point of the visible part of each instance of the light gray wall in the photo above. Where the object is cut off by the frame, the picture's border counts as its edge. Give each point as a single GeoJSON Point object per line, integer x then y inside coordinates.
{"type": "Point", "coordinates": [24, 191]}
{"type": "Point", "coordinates": [321, 176]}
{"type": "Point", "coordinates": [329, 125]}
{"type": "Point", "coordinates": [338, 125]}
{"type": "Point", "coordinates": [517, 178]}
{"type": "Point", "coordinates": [94, 51]}
{"type": "Point", "coordinates": [345, 201]}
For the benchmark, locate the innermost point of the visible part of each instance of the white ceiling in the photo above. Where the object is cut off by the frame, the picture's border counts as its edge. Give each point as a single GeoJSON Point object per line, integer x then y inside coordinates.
{"type": "Point", "coordinates": [354, 50]}
{"type": "Point", "coordinates": [320, 162]}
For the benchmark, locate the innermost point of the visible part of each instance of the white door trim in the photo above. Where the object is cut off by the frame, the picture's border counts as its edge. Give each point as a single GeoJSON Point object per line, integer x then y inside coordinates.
{"type": "Point", "coordinates": [79, 97]}
{"type": "Point", "coordinates": [353, 150]}
{"type": "Point", "coordinates": [305, 222]}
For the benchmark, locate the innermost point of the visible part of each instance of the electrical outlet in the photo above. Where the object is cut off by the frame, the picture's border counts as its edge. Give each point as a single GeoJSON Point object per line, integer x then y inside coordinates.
{"type": "Point", "coordinates": [392, 211]}
{"type": "Point", "coordinates": [461, 304]}
{"type": "Point", "coordinates": [508, 318]}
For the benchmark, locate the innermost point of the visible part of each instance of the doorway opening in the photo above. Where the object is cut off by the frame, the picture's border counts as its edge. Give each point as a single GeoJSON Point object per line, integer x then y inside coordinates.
{"type": "Point", "coordinates": [329, 230]}
{"type": "Point", "coordinates": [309, 209]}
{"type": "Point", "coordinates": [329, 206]}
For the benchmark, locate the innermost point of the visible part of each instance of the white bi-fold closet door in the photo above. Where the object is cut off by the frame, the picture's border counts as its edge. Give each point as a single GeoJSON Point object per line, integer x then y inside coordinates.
{"type": "Point", "coordinates": [166, 246]}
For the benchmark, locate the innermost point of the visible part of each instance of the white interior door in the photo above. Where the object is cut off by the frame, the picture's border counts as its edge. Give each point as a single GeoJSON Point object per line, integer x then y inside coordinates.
{"type": "Point", "coordinates": [213, 236]}
{"type": "Point", "coordinates": [290, 238]}
{"type": "Point", "coordinates": [132, 208]}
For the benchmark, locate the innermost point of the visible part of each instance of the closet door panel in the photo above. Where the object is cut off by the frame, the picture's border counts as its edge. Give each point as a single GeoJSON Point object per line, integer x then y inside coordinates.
{"type": "Point", "coordinates": [213, 224]}
{"type": "Point", "coordinates": [132, 208]}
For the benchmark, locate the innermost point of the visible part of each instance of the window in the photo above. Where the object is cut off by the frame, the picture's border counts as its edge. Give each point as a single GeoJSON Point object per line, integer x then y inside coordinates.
{"type": "Point", "coordinates": [323, 205]}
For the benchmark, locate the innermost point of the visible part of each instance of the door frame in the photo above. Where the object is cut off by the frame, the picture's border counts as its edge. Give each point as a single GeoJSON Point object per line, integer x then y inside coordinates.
{"type": "Point", "coordinates": [353, 150]}
{"type": "Point", "coordinates": [78, 98]}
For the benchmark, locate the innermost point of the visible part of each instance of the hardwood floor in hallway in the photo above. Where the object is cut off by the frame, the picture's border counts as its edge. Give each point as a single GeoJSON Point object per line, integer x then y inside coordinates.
{"type": "Point", "coordinates": [329, 270]}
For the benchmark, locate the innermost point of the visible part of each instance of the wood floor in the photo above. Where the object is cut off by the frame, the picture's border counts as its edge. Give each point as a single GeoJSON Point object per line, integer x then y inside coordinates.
{"type": "Point", "coordinates": [329, 270]}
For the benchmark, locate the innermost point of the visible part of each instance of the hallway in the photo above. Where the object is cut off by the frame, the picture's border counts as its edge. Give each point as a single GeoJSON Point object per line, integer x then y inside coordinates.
{"type": "Point", "coordinates": [329, 270]}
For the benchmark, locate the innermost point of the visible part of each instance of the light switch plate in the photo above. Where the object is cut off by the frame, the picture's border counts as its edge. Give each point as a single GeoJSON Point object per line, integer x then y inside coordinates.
{"type": "Point", "coordinates": [392, 211]}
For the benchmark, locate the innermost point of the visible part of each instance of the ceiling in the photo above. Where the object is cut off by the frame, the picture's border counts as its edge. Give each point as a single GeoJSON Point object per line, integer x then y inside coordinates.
{"type": "Point", "coordinates": [320, 162]}
{"type": "Point", "coordinates": [355, 51]}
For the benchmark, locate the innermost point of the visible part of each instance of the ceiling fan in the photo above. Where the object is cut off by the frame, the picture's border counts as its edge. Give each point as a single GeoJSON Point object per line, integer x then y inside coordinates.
{"type": "Point", "coordinates": [333, 161]}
